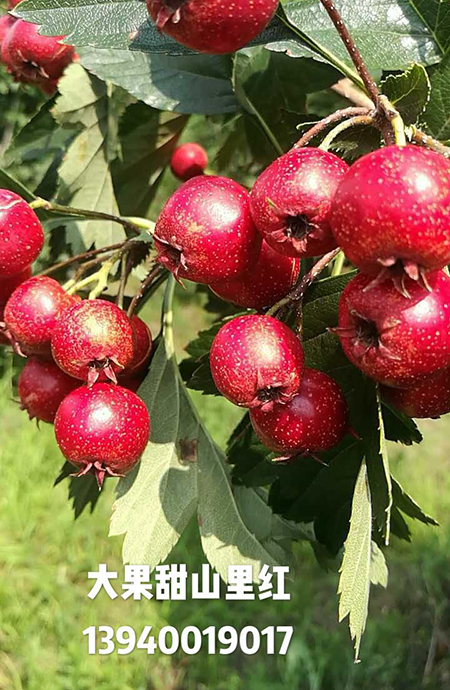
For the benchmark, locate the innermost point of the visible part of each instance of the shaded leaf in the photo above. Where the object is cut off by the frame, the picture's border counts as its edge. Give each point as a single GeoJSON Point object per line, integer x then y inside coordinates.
{"type": "Point", "coordinates": [408, 505]}
{"type": "Point", "coordinates": [408, 92]}
{"type": "Point", "coordinates": [83, 491]}
{"type": "Point", "coordinates": [379, 573]}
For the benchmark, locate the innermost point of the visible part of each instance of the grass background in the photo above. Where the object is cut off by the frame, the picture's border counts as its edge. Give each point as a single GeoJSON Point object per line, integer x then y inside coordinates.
{"type": "Point", "coordinates": [45, 557]}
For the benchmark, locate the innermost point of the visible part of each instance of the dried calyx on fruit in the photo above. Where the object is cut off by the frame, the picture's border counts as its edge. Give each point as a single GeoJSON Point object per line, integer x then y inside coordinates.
{"type": "Point", "coordinates": [290, 201]}
{"type": "Point", "coordinates": [21, 235]}
{"type": "Point", "coordinates": [257, 361]}
{"type": "Point", "coordinates": [394, 339]}
{"type": "Point", "coordinates": [42, 387]}
{"type": "Point", "coordinates": [93, 341]}
{"type": "Point", "coordinates": [103, 430]}
{"type": "Point", "coordinates": [188, 160]}
{"type": "Point", "coordinates": [315, 420]}
{"type": "Point", "coordinates": [205, 232]}
{"type": "Point", "coordinates": [390, 214]}
{"type": "Point", "coordinates": [212, 26]}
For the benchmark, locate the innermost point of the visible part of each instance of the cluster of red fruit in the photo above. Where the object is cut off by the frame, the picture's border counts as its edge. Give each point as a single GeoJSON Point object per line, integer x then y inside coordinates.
{"type": "Point", "coordinates": [100, 427]}
{"type": "Point", "coordinates": [29, 57]}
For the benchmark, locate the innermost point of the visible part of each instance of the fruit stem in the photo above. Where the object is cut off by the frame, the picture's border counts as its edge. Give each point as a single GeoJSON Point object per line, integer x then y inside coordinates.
{"type": "Point", "coordinates": [152, 277]}
{"type": "Point", "coordinates": [81, 257]}
{"type": "Point", "coordinates": [368, 120]}
{"type": "Point", "coordinates": [395, 119]}
{"type": "Point", "coordinates": [327, 121]}
{"type": "Point", "coordinates": [100, 277]}
{"type": "Point", "coordinates": [167, 316]}
{"type": "Point", "coordinates": [124, 274]}
{"type": "Point", "coordinates": [423, 139]}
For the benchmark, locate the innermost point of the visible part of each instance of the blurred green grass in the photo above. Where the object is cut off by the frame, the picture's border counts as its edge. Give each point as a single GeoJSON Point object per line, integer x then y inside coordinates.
{"type": "Point", "coordinates": [45, 557]}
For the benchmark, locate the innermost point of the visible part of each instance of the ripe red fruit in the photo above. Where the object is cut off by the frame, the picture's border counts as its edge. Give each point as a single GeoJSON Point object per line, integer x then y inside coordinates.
{"type": "Point", "coordinates": [9, 284]}
{"type": "Point", "coordinates": [42, 387]}
{"type": "Point", "coordinates": [142, 348]}
{"type": "Point", "coordinates": [189, 160]}
{"type": "Point", "coordinates": [290, 202]}
{"type": "Point", "coordinates": [205, 232]}
{"type": "Point", "coordinates": [21, 236]}
{"type": "Point", "coordinates": [257, 361]}
{"type": "Point", "coordinates": [103, 430]}
{"type": "Point", "coordinates": [93, 340]}
{"type": "Point", "coordinates": [271, 278]}
{"type": "Point", "coordinates": [6, 22]}
{"type": "Point", "coordinates": [212, 26]}
{"type": "Point", "coordinates": [394, 339]}
{"type": "Point", "coordinates": [428, 398]}
{"type": "Point", "coordinates": [315, 420]}
{"type": "Point", "coordinates": [32, 312]}
{"type": "Point", "coordinates": [390, 213]}
{"type": "Point", "coordinates": [35, 59]}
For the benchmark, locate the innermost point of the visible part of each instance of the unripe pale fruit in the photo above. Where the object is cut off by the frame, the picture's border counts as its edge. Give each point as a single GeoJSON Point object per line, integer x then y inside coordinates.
{"type": "Point", "coordinates": [290, 201]}
{"type": "Point", "coordinates": [21, 235]}
{"type": "Point", "coordinates": [103, 430]}
{"type": "Point", "coordinates": [205, 232]}
{"type": "Point", "coordinates": [394, 339]}
{"type": "Point", "coordinates": [391, 213]}
{"type": "Point", "coordinates": [272, 277]}
{"type": "Point", "coordinates": [315, 420]}
{"type": "Point", "coordinates": [42, 387]}
{"type": "Point", "coordinates": [189, 160]}
{"type": "Point", "coordinates": [212, 26]}
{"type": "Point", "coordinates": [32, 313]}
{"type": "Point", "coordinates": [257, 361]}
{"type": "Point", "coordinates": [93, 341]}
{"type": "Point", "coordinates": [9, 284]}
{"type": "Point", "coordinates": [429, 398]}
{"type": "Point", "coordinates": [142, 349]}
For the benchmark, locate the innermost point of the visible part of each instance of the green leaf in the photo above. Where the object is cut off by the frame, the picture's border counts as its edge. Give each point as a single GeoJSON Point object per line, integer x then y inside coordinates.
{"type": "Point", "coordinates": [379, 574]}
{"type": "Point", "coordinates": [437, 113]}
{"type": "Point", "coordinates": [9, 182]}
{"type": "Point", "coordinates": [91, 106]}
{"type": "Point", "coordinates": [249, 457]}
{"type": "Point", "coordinates": [354, 583]}
{"type": "Point", "coordinates": [408, 505]}
{"type": "Point", "coordinates": [408, 92]}
{"type": "Point", "coordinates": [83, 491]}
{"type": "Point", "coordinates": [400, 428]}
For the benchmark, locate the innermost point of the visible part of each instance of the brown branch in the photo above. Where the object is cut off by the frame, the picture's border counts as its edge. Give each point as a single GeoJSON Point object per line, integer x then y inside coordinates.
{"type": "Point", "coordinates": [145, 285]}
{"type": "Point", "coordinates": [81, 257]}
{"type": "Point", "coordinates": [327, 121]}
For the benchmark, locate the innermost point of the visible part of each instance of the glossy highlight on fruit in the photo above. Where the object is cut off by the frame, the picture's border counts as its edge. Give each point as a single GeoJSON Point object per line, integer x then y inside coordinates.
{"type": "Point", "coordinates": [212, 26]}
{"type": "Point", "coordinates": [21, 235]}
{"type": "Point", "coordinates": [393, 339]}
{"type": "Point", "coordinates": [428, 398]}
{"type": "Point", "coordinates": [9, 284]}
{"type": "Point", "coordinates": [205, 232]}
{"type": "Point", "coordinates": [315, 420]}
{"type": "Point", "coordinates": [272, 277]}
{"type": "Point", "coordinates": [103, 430]}
{"type": "Point", "coordinates": [391, 213]}
{"type": "Point", "coordinates": [290, 201]}
{"type": "Point", "coordinates": [93, 341]}
{"type": "Point", "coordinates": [257, 361]}
{"type": "Point", "coordinates": [189, 160]}
{"type": "Point", "coordinates": [42, 387]}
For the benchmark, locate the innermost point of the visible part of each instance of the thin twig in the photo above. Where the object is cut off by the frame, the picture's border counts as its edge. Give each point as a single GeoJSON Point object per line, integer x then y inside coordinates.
{"type": "Point", "coordinates": [145, 285]}
{"type": "Point", "coordinates": [422, 139]}
{"type": "Point", "coordinates": [367, 120]}
{"type": "Point", "coordinates": [330, 120]}
{"type": "Point", "coordinates": [124, 273]}
{"type": "Point", "coordinates": [81, 257]}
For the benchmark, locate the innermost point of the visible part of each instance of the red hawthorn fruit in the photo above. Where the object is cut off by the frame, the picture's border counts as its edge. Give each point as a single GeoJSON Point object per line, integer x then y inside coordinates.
{"type": "Point", "coordinates": [142, 349]}
{"type": "Point", "coordinates": [8, 285]}
{"type": "Point", "coordinates": [428, 398]}
{"type": "Point", "coordinates": [42, 387]}
{"type": "Point", "coordinates": [21, 235]}
{"type": "Point", "coordinates": [205, 232]}
{"type": "Point", "coordinates": [272, 277]}
{"type": "Point", "coordinates": [189, 160]}
{"type": "Point", "coordinates": [6, 22]}
{"type": "Point", "coordinates": [103, 430]}
{"type": "Point", "coordinates": [35, 59]}
{"type": "Point", "coordinates": [257, 361]}
{"type": "Point", "coordinates": [212, 26]}
{"type": "Point", "coordinates": [32, 312]}
{"type": "Point", "coordinates": [393, 339]}
{"type": "Point", "coordinates": [290, 201]}
{"type": "Point", "coordinates": [93, 340]}
{"type": "Point", "coordinates": [390, 213]}
{"type": "Point", "coordinates": [315, 420]}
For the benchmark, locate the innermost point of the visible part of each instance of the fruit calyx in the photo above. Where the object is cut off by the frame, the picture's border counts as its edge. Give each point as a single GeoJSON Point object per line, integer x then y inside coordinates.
{"type": "Point", "coordinates": [100, 470]}
{"type": "Point", "coordinates": [102, 366]}
{"type": "Point", "coordinates": [169, 12]}
{"type": "Point", "coordinates": [367, 335]}
{"type": "Point", "coordinates": [268, 396]}
{"type": "Point", "coordinates": [171, 257]}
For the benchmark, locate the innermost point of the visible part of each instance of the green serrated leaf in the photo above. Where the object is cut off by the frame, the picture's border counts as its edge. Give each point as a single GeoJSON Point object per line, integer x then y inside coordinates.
{"type": "Point", "coordinates": [400, 428]}
{"type": "Point", "coordinates": [83, 491]}
{"type": "Point", "coordinates": [354, 582]}
{"type": "Point", "coordinates": [408, 505]}
{"type": "Point", "coordinates": [437, 113]}
{"type": "Point", "coordinates": [408, 92]}
{"type": "Point", "coordinates": [379, 573]}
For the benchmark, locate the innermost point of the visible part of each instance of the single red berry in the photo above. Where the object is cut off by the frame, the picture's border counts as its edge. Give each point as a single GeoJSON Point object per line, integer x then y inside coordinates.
{"type": "Point", "coordinates": [42, 387]}
{"type": "Point", "coordinates": [428, 398]}
{"type": "Point", "coordinates": [189, 160]}
{"type": "Point", "coordinates": [142, 349]}
{"type": "Point", "coordinates": [315, 420]}
{"type": "Point", "coordinates": [257, 361]}
{"type": "Point", "coordinates": [9, 284]}
{"type": "Point", "coordinates": [394, 339]}
{"type": "Point", "coordinates": [290, 202]}
{"type": "Point", "coordinates": [103, 430]}
{"type": "Point", "coordinates": [205, 232]}
{"type": "Point", "coordinates": [93, 340]}
{"type": "Point", "coordinates": [212, 26]}
{"type": "Point", "coordinates": [32, 312]}
{"type": "Point", "coordinates": [390, 213]}
{"type": "Point", "coordinates": [36, 59]}
{"type": "Point", "coordinates": [21, 235]}
{"type": "Point", "coordinates": [272, 277]}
